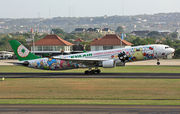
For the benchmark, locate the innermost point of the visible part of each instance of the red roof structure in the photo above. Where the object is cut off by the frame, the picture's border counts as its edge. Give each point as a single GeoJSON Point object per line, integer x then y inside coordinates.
{"type": "Point", "coordinates": [51, 40]}
{"type": "Point", "coordinates": [96, 39]}
{"type": "Point", "coordinates": [110, 39]}
{"type": "Point", "coordinates": [79, 40]}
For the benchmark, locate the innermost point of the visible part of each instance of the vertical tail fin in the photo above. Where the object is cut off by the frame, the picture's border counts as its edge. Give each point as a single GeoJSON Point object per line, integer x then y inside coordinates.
{"type": "Point", "coordinates": [22, 52]}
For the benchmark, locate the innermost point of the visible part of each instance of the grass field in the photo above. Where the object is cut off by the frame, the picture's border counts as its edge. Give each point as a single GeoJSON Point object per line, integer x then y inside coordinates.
{"type": "Point", "coordinates": [126, 69]}
{"type": "Point", "coordinates": [90, 91]}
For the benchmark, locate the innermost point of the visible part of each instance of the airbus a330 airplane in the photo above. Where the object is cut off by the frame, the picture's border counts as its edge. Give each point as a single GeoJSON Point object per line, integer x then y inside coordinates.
{"type": "Point", "coordinates": [105, 58]}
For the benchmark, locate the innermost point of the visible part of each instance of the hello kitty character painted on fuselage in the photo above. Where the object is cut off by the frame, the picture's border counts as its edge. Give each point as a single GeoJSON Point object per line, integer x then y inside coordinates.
{"type": "Point", "coordinates": [137, 54]}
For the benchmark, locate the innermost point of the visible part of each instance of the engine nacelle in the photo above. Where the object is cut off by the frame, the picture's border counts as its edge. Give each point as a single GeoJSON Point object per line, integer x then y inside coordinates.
{"type": "Point", "coordinates": [108, 64]}
{"type": "Point", "coordinates": [120, 63]}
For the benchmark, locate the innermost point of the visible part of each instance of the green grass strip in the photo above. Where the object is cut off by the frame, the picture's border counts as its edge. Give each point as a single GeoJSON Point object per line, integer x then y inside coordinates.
{"type": "Point", "coordinates": [90, 91]}
{"type": "Point", "coordinates": [125, 69]}
{"type": "Point", "coordinates": [90, 102]}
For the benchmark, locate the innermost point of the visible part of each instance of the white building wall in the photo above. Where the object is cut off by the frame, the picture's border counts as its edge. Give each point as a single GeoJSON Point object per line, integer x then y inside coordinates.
{"type": "Point", "coordinates": [127, 46]}
{"type": "Point", "coordinates": [115, 47]}
{"type": "Point", "coordinates": [66, 48]}
{"type": "Point", "coordinates": [98, 48]}
{"type": "Point", "coordinates": [92, 48]}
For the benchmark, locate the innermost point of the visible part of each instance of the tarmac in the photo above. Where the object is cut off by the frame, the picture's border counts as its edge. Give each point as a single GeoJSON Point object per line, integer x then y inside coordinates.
{"type": "Point", "coordinates": [88, 109]}
{"type": "Point", "coordinates": [101, 75]}
{"type": "Point", "coordinates": [4, 62]}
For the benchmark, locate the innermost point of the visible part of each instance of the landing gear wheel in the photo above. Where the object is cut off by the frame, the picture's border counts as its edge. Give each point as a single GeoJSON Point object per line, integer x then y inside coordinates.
{"type": "Point", "coordinates": [92, 71]}
{"type": "Point", "coordinates": [158, 63]}
{"type": "Point", "coordinates": [86, 72]}
{"type": "Point", "coordinates": [98, 71]}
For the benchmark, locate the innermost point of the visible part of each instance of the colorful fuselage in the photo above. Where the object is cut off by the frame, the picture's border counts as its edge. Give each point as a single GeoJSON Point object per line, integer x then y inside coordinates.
{"type": "Point", "coordinates": [134, 53]}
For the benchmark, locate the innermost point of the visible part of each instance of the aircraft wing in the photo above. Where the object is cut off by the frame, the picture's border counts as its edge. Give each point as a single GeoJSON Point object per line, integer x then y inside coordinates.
{"type": "Point", "coordinates": [81, 60]}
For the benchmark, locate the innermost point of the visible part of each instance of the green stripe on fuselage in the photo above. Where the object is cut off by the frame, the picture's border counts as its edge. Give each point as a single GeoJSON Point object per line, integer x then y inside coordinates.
{"type": "Point", "coordinates": [82, 55]}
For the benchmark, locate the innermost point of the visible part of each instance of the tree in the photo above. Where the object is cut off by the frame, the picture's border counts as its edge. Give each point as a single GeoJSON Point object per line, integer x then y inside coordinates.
{"type": "Point", "coordinates": [136, 41]}
{"type": "Point", "coordinates": [68, 37]}
{"type": "Point", "coordinates": [169, 43]}
{"type": "Point", "coordinates": [86, 44]}
{"type": "Point", "coordinates": [130, 38]}
{"type": "Point", "coordinates": [145, 41]}
{"type": "Point", "coordinates": [154, 34]}
{"type": "Point", "coordinates": [177, 53]}
{"type": "Point", "coordinates": [150, 41]}
{"type": "Point", "coordinates": [120, 29]}
{"type": "Point", "coordinates": [4, 45]}
{"type": "Point", "coordinates": [27, 35]}
{"type": "Point", "coordinates": [56, 31]}
{"type": "Point", "coordinates": [173, 35]}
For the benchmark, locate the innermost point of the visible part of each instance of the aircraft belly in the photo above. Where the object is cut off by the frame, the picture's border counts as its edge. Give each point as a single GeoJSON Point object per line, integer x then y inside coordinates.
{"type": "Point", "coordinates": [54, 64]}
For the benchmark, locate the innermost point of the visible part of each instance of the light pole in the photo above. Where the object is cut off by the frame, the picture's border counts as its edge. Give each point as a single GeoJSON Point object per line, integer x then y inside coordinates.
{"type": "Point", "coordinates": [121, 39]}
{"type": "Point", "coordinates": [32, 33]}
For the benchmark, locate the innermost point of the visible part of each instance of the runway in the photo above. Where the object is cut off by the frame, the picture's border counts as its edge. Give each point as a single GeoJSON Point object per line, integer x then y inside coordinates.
{"type": "Point", "coordinates": [81, 109]}
{"type": "Point", "coordinates": [102, 75]}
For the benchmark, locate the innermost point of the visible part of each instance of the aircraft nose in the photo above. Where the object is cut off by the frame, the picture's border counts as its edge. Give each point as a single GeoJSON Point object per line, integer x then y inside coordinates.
{"type": "Point", "coordinates": [173, 50]}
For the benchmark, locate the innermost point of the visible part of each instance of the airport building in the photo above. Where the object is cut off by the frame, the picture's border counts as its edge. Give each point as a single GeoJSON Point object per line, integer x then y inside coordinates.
{"type": "Point", "coordinates": [110, 41]}
{"type": "Point", "coordinates": [52, 45]}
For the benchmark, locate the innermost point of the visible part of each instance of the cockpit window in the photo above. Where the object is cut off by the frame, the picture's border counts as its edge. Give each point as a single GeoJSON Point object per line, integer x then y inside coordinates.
{"type": "Point", "coordinates": [166, 47]}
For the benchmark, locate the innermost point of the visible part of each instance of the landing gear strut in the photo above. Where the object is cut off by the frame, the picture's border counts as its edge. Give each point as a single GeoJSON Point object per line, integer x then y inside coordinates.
{"type": "Point", "coordinates": [90, 71]}
{"type": "Point", "coordinates": [158, 63]}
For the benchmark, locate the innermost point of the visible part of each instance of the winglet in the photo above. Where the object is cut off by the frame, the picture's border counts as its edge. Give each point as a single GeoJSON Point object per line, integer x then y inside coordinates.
{"type": "Point", "coordinates": [22, 52]}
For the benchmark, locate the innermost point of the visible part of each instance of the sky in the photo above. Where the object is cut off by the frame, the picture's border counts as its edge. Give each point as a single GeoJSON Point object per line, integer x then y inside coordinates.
{"type": "Point", "coordinates": [84, 8]}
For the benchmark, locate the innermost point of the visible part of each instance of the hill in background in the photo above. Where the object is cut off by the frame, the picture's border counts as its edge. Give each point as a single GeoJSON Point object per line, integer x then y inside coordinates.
{"type": "Point", "coordinates": [161, 21]}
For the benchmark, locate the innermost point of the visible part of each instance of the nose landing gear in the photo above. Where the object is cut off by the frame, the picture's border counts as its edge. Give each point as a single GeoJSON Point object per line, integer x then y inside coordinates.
{"type": "Point", "coordinates": [158, 63]}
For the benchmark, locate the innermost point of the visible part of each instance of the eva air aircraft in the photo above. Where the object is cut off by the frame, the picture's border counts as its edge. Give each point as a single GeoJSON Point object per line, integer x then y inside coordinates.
{"type": "Point", "coordinates": [105, 58]}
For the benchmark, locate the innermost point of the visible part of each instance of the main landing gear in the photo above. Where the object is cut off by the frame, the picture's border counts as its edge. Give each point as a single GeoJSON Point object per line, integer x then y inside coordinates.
{"type": "Point", "coordinates": [158, 63]}
{"type": "Point", "coordinates": [92, 71]}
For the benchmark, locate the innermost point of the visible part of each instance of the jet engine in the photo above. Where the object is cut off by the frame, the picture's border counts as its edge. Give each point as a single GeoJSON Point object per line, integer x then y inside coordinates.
{"type": "Point", "coordinates": [108, 64]}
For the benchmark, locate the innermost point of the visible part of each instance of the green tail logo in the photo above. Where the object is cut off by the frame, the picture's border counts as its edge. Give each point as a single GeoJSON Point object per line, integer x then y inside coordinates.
{"type": "Point", "coordinates": [22, 52]}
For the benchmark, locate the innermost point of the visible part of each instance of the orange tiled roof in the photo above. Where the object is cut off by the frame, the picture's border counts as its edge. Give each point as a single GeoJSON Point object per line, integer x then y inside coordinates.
{"type": "Point", "coordinates": [96, 39]}
{"type": "Point", "coordinates": [110, 39]}
{"type": "Point", "coordinates": [79, 40]}
{"type": "Point", "coordinates": [51, 40]}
